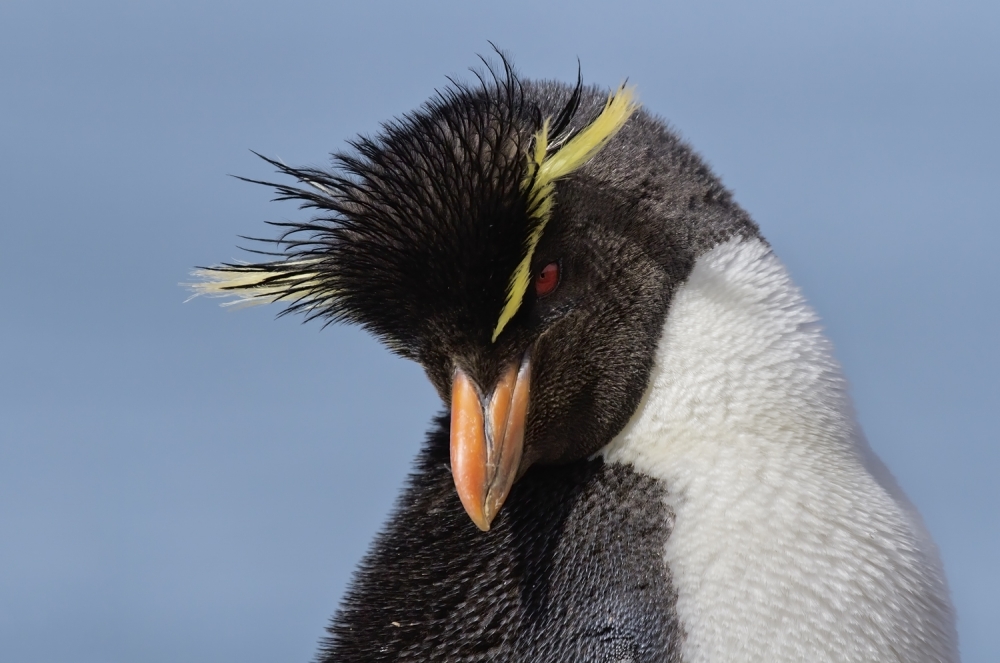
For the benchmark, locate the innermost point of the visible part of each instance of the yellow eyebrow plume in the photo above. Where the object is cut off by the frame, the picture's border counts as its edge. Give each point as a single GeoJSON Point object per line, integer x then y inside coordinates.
{"type": "Point", "coordinates": [543, 171]}
{"type": "Point", "coordinates": [260, 283]}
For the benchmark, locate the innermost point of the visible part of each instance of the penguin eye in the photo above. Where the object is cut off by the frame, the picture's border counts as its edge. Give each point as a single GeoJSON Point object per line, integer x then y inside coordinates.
{"type": "Point", "coordinates": [547, 279]}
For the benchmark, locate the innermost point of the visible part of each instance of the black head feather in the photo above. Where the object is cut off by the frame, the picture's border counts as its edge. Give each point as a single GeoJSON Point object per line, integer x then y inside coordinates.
{"type": "Point", "coordinates": [420, 227]}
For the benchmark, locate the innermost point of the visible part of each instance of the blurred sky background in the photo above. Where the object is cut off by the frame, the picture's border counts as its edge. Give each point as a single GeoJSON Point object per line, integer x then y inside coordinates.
{"type": "Point", "coordinates": [179, 482]}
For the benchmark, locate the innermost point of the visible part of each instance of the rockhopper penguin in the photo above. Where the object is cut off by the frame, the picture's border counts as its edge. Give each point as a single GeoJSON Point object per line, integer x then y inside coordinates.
{"type": "Point", "coordinates": [648, 452]}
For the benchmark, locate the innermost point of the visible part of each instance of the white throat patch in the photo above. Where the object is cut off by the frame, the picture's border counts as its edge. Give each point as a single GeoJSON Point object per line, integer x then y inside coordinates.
{"type": "Point", "coordinates": [791, 542]}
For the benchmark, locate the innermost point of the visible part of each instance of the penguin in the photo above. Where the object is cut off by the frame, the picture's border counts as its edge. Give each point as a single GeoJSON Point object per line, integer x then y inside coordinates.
{"type": "Point", "coordinates": [647, 452]}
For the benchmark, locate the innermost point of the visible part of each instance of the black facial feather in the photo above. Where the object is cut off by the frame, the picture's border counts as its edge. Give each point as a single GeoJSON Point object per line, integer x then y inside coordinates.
{"type": "Point", "coordinates": [420, 227]}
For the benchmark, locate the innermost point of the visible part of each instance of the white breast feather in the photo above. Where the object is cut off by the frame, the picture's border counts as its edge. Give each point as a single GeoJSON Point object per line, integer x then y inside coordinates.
{"type": "Point", "coordinates": [791, 541]}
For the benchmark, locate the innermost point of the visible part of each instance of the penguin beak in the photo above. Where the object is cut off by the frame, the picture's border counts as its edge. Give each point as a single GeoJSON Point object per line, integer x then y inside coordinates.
{"type": "Point", "coordinates": [487, 440]}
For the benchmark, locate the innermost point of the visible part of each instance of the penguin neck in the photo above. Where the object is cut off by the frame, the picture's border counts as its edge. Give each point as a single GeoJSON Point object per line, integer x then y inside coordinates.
{"type": "Point", "coordinates": [790, 541]}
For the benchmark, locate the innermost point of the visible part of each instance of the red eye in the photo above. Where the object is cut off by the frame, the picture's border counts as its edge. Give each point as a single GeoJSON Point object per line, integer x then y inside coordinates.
{"type": "Point", "coordinates": [547, 279]}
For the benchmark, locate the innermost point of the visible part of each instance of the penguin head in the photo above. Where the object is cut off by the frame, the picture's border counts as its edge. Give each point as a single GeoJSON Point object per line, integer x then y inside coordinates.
{"type": "Point", "coordinates": [500, 236]}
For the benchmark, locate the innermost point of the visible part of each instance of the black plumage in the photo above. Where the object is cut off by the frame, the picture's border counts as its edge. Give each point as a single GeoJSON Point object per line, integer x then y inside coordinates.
{"type": "Point", "coordinates": [572, 570]}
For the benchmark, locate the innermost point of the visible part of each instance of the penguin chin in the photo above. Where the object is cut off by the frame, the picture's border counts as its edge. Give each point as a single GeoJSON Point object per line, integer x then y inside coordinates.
{"type": "Point", "coordinates": [577, 412]}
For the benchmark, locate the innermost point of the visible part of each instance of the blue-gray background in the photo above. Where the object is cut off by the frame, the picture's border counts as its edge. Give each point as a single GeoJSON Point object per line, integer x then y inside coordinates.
{"type": "Point", "coordinates": [183, 483]}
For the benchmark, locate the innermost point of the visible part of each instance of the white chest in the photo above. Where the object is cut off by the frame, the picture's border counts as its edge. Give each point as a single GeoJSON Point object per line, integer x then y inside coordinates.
{"type": "Point", "coordinates": [791, 541]}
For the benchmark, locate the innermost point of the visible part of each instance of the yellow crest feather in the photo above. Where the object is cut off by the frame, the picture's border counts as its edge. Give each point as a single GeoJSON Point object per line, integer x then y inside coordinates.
{"type": "Point", "coordinates": [260, 283]}
{"type": "Point", "coordinates": [544, 170]}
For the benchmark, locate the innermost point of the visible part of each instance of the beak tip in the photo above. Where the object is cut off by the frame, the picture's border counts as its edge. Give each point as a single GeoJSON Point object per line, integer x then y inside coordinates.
{"type": "Point", "coordinates": [482, 518]}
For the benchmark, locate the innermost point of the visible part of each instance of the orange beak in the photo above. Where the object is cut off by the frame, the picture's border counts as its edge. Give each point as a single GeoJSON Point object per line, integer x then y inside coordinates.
{"type": "Point", "coordinates": [487, 440]}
